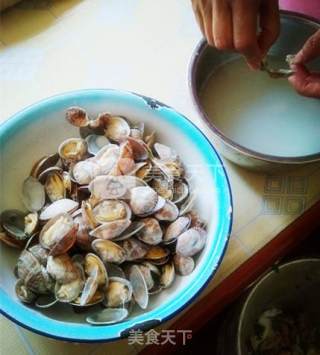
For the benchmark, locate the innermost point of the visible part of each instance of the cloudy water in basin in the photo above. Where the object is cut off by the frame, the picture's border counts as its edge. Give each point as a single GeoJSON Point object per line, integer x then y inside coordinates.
{"type": "Point", "coordinates": [261, 113]}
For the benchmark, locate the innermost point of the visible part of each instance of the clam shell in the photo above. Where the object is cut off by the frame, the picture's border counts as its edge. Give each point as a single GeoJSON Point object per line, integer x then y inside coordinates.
{"type": "Point", "coordinates": [10, 241]}
{"type": "Point", "coordinates": [160, 261]}
{"type": "Point", "coordinates": [125, 163]}
{"type": "Point", "coordinates": [150, 139]}
{"type": "Point", "coordinates": [65, 243]}
{"type": "Point", "coordinates": [187, 205]}
{"type": "Point", "coordinates": [77, 116]}
{"type": "Point", "coordinates": [113, 187]}
{"type": "Point", "coordinates": [114, 270]}
{"type": "Point", "coordinates": [143, 200]}
{"type": "Point", "coordinates": [109, 251]}
{"type": "Point", "coordinates": [184, 265]}
{"type": "Point", "coordinates": [169, 212]}
{"type": "Point", "coordinates": [117, 128]}
{"type": "Point", "coordinates": [83, 172]}
{"type": "Point", "coordinates": [133, 229]}
{"type": "Point", "coordinates": [62, 269]}
{"type": "Point", "coordinates": [108, 316]}
{"type": "Point", "coordinates": [144, 171]}
{"type": "Point", "coordinates": [180, 192]}
{"type": "Point", "coordinates": [31, 221]}
{"type": "Point", "coordinates": [176, 228]}
{"type": "Point", "coordinates": [155, 289]}
{"type": "Point", "coordinates": [164, 152]}
{"type": "Point", "coordinates": [118, 292]}
{"type": "Point", "coordinates": [135, 249]}
{"type": "Point", "coordinates": [87, 215]}
{"type": "Point", "coordinates": [38, 280]}
{"type": "Point", "coordinates": [26, 262]}
{"type": "Point", "coordinates": [91, 263]}
{"type": "Point", "coordinates": [146, 272]}
{"type": "Point", "coordinates": [83, 240]}
{"type": "Point", "coordinates": [97, 298]}
{"type": "Point", "coordinates": [73, 149]}
{"type": "Point", "coordinates": [68, 292]}
{"type": "Point", "coordinates": [167, 276]}
{"type": "Point", "coordinates": [137, 131]}
{"type": "Point", "coordinates": [33, 194]}
{"type": "Point", "coordinates": [58, 234]}
{"type": "Point", "coordinates": [43, 164]}
{"type": "Point", "coordinates": [61, 206]}
{"type": "Point", "coordinates": [191, 242]}
{"type": "Point", "coordinates": [89, 290]}
{"type": "Point", "coordinates": [139, 148]}
{"type": "Point", "coordinates": [139, 287]}
{"type": "Point", "coordinates": [97, 276]}
{"type": "Point", "coordinates": [13, 223]}
{"type": "Point", "coordinates": [153, 268]}
{"type": "Point", "coordinates": [107, 157]}
{"type": "Point", "coordinates": [45, 173]}
{"type": "Point", "coordinates": [54, 187]}
{"type": "Point", "coordinates": [157, 253]}
{"type": "Point", "coordinates": [111, 210]}
{"type": "Point", "coordinates": [24, 294]}
{"type": "Point", "coordinates": [45, 301]}
{"type": "Point", "coordinates": [151, 233]}
{"type": "Point", "coordinates": [163, 188]}
{"type": "Point", "coordinates": [96, 143]}
{"type": "Point", "coordinates": [40, 253]}
{"type": "Point", "coordinates": [110, 230]}
{"type": "Point", "coordinates": [196, 221]}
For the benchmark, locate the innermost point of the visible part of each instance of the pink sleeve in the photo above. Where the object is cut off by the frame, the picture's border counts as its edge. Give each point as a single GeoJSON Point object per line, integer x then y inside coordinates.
{"type": "Point", "coordinates": [307, 7]}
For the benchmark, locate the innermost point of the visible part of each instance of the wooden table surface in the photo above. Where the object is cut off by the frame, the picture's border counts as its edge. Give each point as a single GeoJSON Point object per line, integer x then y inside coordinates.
{"type": "Point", "coordinates": [52, 46]}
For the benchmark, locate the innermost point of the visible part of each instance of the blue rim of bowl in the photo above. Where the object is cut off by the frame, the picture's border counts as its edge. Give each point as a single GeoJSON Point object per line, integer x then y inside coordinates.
{"type": "Point", "coordinates": [100, 333]}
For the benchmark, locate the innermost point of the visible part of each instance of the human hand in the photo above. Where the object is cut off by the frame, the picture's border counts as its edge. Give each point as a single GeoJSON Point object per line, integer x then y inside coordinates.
{"type": "Point", "coordinates": [232, 25]}
{"type": "Point", "coordinates": [305, 82]}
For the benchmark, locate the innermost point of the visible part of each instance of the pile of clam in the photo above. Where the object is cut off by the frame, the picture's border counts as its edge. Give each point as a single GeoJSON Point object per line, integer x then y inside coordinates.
{"type": "Point", "coordinates": [110, 221]}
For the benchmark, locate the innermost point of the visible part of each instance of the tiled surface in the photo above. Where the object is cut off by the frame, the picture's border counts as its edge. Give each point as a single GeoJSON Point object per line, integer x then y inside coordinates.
{"type": "Point", "coordinates": [42, 346]}
{"type": "Point", "coordinates": [10, 341]}
{"type": "Point", "coordinates": [52, 46]}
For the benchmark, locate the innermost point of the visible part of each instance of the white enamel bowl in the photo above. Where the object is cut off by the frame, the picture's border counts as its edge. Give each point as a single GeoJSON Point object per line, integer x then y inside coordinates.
{"type": "Point", "coordinates": [38, 130]}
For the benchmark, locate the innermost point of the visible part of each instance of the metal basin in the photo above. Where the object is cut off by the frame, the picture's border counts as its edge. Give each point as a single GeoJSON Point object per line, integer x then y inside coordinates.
{"type": "Point", "coordinates": [295, 285]}
{"type": "Point", "coordinates": [259, 143]}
